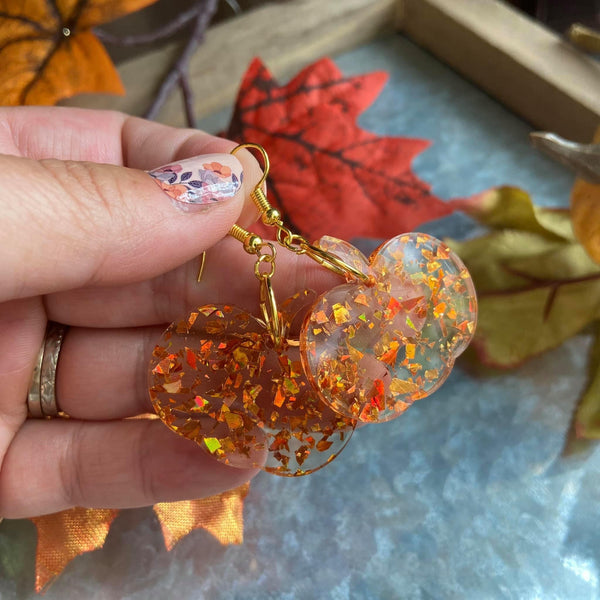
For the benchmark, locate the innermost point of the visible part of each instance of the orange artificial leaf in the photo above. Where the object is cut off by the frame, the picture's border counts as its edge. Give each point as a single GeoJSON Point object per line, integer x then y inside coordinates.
{"type": "Point", "coordinates": [585, 212]}
{"type": "Point", "coordinates": [329, 176]}
{"type": "Point", "coordinates": [48, 52]}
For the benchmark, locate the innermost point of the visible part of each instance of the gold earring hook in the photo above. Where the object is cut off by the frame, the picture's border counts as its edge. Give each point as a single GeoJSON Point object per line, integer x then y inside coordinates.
{"type": "Point", "coordinates": [265, 156]}
{"type": "Point", "coordinates": [201, 267]}
{"type": "Point", "coordinates": [285, 237]}
{"type": "Point", "coordinates": [269, 215]}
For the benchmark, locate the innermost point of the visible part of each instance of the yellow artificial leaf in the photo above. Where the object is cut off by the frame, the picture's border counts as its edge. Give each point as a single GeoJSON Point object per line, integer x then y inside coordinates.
{"type": "Point", "coordinates": [587, 416]}
{"type": "Point", "coordinates": [48, 52]}
{"type": "Point", "coordinates": [514, 325]}
{"type": "Point", "coordinates": [512, 208]}
{"type": "Point", "coordinates": [488, 257]}
{"type": "Point", "coordinates": [536, 284]}
{"type": "Point", "coordinates": [569, 261]}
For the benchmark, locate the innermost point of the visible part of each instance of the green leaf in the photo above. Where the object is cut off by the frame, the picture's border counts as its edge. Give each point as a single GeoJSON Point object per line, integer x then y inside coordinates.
{"type": "Point", "coordinates": [487, 257]}
{"type": "Point", "coordinates": [536, 289]}
{"type": "Point", "coordinates": [511, 208]}
{"type": "Point", "coordinates": [514, 325]}
{"type": "Point", "coordinates": [587, 416]}
{"type": "Point", "coordinates": [568, 261]}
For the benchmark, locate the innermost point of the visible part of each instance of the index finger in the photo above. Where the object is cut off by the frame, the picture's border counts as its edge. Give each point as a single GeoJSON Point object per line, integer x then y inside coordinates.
{"type": "Point", "coordinates": [69, 224]}
{"type": "Point", "coordinates": [101, 136]}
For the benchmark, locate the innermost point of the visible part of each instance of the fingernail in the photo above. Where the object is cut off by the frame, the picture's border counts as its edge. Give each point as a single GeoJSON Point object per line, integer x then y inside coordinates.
{"type": "Point", "coordinates": [200, 180]}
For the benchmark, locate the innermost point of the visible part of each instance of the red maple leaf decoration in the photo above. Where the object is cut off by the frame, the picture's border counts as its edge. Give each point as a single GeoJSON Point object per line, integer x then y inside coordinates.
{"type": "Point", "coordinates": [328, 176]}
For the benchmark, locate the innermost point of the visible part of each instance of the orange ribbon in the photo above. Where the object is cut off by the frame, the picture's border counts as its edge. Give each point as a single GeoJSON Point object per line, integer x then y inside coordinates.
{"type": "Point", "coordinates": [65, 535]}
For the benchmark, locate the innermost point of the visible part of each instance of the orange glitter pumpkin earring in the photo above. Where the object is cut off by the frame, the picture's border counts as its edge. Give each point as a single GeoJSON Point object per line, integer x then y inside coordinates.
{"type": "Point", "coordinates": [251, 395]}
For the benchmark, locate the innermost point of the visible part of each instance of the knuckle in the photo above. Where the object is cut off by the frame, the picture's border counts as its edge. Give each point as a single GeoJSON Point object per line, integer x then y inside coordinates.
{"type": "Point", "coordinates": [92, 194]}
{"type": "Point", "coordinates": [172, 294]}
{"type": "Point", "coordinates": [91, 203]}
{"type": "Point", "coordinates": [76, 184]}
{"type": "Point", "coordinates": [71, 469]}
{"type": "Point", "coordinates": [147, 480]}
{"type": "Point", "coordinates": [87, 478]}
{"type": "Point", "coordinates": [146, 348]}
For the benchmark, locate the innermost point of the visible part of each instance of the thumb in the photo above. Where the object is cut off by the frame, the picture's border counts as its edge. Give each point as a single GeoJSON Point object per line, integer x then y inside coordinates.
{"type": "Point", "coordinates": [70, 224]}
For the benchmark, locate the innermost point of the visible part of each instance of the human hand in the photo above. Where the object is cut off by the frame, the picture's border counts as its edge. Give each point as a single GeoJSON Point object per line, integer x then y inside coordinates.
{"type": "Point", "coordinates": [90, 240]}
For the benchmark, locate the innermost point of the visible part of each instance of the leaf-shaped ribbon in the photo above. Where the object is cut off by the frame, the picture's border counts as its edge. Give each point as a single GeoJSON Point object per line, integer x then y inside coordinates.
{"type": "Point", "coordinates": [65, 535]}
{"type": "Point", "coordinates": [48, 51]}
{"type": "Point", "coordinates": [221, 515]}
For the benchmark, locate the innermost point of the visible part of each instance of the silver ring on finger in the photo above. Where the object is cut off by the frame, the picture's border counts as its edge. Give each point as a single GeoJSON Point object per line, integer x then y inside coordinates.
{"type": "Point", "coordinates": [41, 399]}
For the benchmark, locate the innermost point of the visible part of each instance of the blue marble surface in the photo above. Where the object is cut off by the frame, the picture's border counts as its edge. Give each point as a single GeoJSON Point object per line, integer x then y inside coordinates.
{"type": "Point", "coordinates": [467, 495]}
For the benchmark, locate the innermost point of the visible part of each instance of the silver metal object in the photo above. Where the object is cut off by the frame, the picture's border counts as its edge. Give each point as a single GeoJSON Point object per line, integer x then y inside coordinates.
{"type": "Point", "coordinates": [584, 159]}
{"type": "Point", "coordinates": [41, 399]}
{"type": "Point", "coordinates": [586, 39]}
{"type": "Point", "coordinates": [34, 404]}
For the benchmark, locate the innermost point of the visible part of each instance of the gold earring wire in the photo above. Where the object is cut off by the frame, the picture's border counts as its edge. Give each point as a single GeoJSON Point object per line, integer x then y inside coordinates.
{"type": "Point", "coordinates": [285, 237]}
{"type": "Point", "coordinates": [201, 268]}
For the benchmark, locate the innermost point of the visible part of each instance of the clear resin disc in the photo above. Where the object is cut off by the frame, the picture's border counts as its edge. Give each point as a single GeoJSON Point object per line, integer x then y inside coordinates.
{"type": "Point", "coordinates": [374, 348]}
{"type": "Point", "coordinates": [216, 378]}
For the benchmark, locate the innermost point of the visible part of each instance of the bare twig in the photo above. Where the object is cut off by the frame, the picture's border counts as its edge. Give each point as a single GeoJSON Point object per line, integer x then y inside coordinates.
{"type": "Point", "coordinates": [234, 5]}
{"type": "Point", "coordinates": [166, 31]}
{"type": "Point", "coordinates": [200, 16]}
{"type": "Point", "coordinates": [188, 99]}
{"type": "Point", "coordinates": [179, 70]}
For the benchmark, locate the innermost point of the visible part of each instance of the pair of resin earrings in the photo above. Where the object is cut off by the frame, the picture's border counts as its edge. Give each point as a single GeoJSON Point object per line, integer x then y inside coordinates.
{"type": "Point", "coordinates": [253, 394]}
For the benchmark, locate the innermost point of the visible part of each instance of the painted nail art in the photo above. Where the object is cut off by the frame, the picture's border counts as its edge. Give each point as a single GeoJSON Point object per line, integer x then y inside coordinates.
{"type": "Point", "coordinates": [200, 180]}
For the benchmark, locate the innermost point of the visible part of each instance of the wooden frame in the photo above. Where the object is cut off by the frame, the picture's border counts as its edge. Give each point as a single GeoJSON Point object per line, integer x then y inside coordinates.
{"type": "Point", "coordinates": [533, 71]}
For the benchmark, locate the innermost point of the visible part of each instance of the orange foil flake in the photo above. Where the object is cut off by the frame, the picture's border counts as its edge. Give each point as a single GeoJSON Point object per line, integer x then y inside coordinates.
{"type": "Point", "coordinates": [391, 354]}
{"type": "Point", "coordinates": [361, 299]}
{"type": "Point", "coordinates": [439, 310]}
{"type": "Point", "coordinates": [190, 358]}
{"type": "Point", "coordinates": [320, 317]}
{"type": "Point", "coordinates": [393, 308]}
{"type": "Point", "coordinates": [443, 252]}
{"type": "Point", "coordinates": [414, 368]}
{"type": "Point", "coordinates": [378, 394]}
{"type": "Point", "coordinates": [279, 397]}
